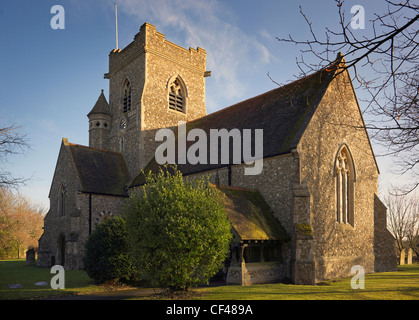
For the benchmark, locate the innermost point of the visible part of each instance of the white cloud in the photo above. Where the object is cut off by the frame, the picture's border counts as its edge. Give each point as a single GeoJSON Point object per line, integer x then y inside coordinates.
{"type": "Point", "coordinates": [230, 51]}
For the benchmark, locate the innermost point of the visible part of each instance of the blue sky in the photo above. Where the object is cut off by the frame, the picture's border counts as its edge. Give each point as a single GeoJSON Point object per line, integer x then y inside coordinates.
{"type": "Point", "coordinates": [50, 79]}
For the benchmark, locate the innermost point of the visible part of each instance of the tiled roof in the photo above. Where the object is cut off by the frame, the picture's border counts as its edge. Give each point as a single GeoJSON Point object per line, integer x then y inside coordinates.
{"type": "Point", "coordinates": [250, 215]}
{"type": "Point", "coordinates": [100, 171]}
{"type": "Point", "coordinates": [282, 113]}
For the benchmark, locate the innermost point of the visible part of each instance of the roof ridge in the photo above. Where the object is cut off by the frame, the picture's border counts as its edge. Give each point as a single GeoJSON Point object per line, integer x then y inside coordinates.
{"type": "Point", "coordinates": [327, 69]}
{"type": "Point", "coordinates": [93, 148]}
{"type": "Point", "coordinates": [283, 113]}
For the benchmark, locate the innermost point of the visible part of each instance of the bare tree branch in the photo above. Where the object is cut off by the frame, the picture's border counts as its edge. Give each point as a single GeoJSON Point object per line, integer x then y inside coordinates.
{"type": "Point", "coordinates": [385, 65]}
{"type": "Point", "coordinates": [11, 143]}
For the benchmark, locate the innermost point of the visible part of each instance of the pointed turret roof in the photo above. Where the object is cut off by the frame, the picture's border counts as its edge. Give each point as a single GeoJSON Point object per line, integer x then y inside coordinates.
{"type": "Point", "coordinates": [101, 106]}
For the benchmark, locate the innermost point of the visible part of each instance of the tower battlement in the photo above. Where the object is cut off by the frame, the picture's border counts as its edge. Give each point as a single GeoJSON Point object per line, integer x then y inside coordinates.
{"type": "Point", "coordinates": [149, 40]}
{"type": "Point", "coordinates": [153, 84]}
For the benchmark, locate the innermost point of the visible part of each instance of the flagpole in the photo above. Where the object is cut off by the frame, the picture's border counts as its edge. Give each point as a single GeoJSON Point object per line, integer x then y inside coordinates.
{"type": "Point", "coordinates": [116, 25]}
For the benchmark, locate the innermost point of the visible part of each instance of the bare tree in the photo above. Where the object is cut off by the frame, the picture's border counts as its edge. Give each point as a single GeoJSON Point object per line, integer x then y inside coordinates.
{"type": "Point", "coordinates": [385, 64]}
{"type": "Point", "coordinates": [412, 228]}
{"type": "Point", "coordinates": [403, 218]}
{"type": "Point", "coordinates": [11, 143]}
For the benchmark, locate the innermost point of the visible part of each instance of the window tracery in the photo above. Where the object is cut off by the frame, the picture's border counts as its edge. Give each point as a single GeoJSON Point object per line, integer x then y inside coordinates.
{"type": "Point", "coordinates": [345, 174]}
{"type": "Point", "coordinates": [177, 96]}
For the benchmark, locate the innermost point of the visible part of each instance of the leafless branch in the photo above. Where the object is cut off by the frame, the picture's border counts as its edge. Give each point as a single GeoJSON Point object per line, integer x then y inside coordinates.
{"type": "Point", "coordinates": [385, 65]}
{"type": "Point", "coordinates": [11, 143]}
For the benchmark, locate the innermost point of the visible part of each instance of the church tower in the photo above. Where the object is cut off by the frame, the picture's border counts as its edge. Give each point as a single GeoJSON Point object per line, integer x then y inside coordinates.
{"type": "Point", "coordinates": [153, 84]}
{"type": "Point", "coordinates": [99, 123]}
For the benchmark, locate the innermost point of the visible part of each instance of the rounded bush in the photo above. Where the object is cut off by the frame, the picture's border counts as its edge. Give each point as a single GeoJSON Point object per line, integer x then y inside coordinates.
{"type": "Point", "coordinates": [107, 255]}
{"type": "Point", "coordinates": [178, 231]}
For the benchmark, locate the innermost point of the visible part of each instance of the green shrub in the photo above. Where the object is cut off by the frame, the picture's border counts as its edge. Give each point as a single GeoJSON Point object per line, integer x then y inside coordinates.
{"type": "Point", "coordinates": [178, 231]}
{"type": "Point", "coordinates": [107, 255]}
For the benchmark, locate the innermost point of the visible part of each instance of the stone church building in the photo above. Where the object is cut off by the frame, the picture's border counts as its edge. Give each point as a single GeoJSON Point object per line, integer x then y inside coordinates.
{"type": "Point", "coordinates": [311, 214]}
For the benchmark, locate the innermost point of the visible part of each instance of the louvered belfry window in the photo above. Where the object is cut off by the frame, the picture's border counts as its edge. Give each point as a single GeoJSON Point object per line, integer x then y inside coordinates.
{"type": "Point", "coordinates": [176, 96]}
{"type": "Point", "coordinates": [127, 97]}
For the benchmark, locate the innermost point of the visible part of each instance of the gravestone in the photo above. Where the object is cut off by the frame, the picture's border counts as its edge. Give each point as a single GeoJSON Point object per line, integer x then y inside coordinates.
{"type": "Point", "coordinates": [30, 257]}
{"type": "Point", "coordinates": [402, 257]}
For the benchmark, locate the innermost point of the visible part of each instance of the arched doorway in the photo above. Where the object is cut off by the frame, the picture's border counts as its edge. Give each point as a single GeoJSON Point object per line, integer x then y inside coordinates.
{"type": "Point", "coordinates": [61, 250]}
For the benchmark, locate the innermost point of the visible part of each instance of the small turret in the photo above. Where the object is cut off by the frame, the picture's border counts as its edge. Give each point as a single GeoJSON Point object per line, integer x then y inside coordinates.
{"type": "Point", "coordinates": [99, 123]}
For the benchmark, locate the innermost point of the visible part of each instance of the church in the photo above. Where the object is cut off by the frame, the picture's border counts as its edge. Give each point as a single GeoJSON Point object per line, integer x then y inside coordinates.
{"type": "Point", "coordinates": [310, 214]}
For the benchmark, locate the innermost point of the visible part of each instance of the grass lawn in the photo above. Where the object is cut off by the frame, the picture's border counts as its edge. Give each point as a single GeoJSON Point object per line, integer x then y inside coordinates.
{"type": "Point", "coordinates": [400, 285]}
{"type": "Point", "coordinates": [16, 271]}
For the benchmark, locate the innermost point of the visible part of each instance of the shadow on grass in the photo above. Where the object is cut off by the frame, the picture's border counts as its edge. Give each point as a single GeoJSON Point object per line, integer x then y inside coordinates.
{"type": "Point", "coordinates": [403, 284]}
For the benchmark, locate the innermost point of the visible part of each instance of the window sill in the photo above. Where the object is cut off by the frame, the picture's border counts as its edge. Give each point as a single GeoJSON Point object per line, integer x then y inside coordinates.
{"type": "Point", "coordinates": [179, 113]}
{"type": "Point", "coordinates": [344, 226]}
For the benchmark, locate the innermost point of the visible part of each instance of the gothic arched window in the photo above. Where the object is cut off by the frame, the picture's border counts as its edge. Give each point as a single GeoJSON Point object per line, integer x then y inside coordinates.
{"type": "Point", "coordinates": [345, 178]}
{"type": "Point", "coordinates": [127, 97]}
{"type": "Point", "coordinates": [177, 95]}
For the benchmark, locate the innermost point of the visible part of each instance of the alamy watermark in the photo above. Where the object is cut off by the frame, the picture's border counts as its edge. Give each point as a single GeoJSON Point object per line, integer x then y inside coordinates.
{"type": "Point", "coordinates": [358, 280]}
{"type": "Point", "coordinates": [58, 281]}
{"type": "Point", "coordinates": [358, 18]}
{"type": "Point", "coordinates": [206, 147]}
{"type": "Point", "coordinates": [58, 20]}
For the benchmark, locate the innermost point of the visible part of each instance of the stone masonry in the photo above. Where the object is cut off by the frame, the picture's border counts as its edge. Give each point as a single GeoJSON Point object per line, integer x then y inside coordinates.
{"type": "Point", "coordinates": [319, 176]}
